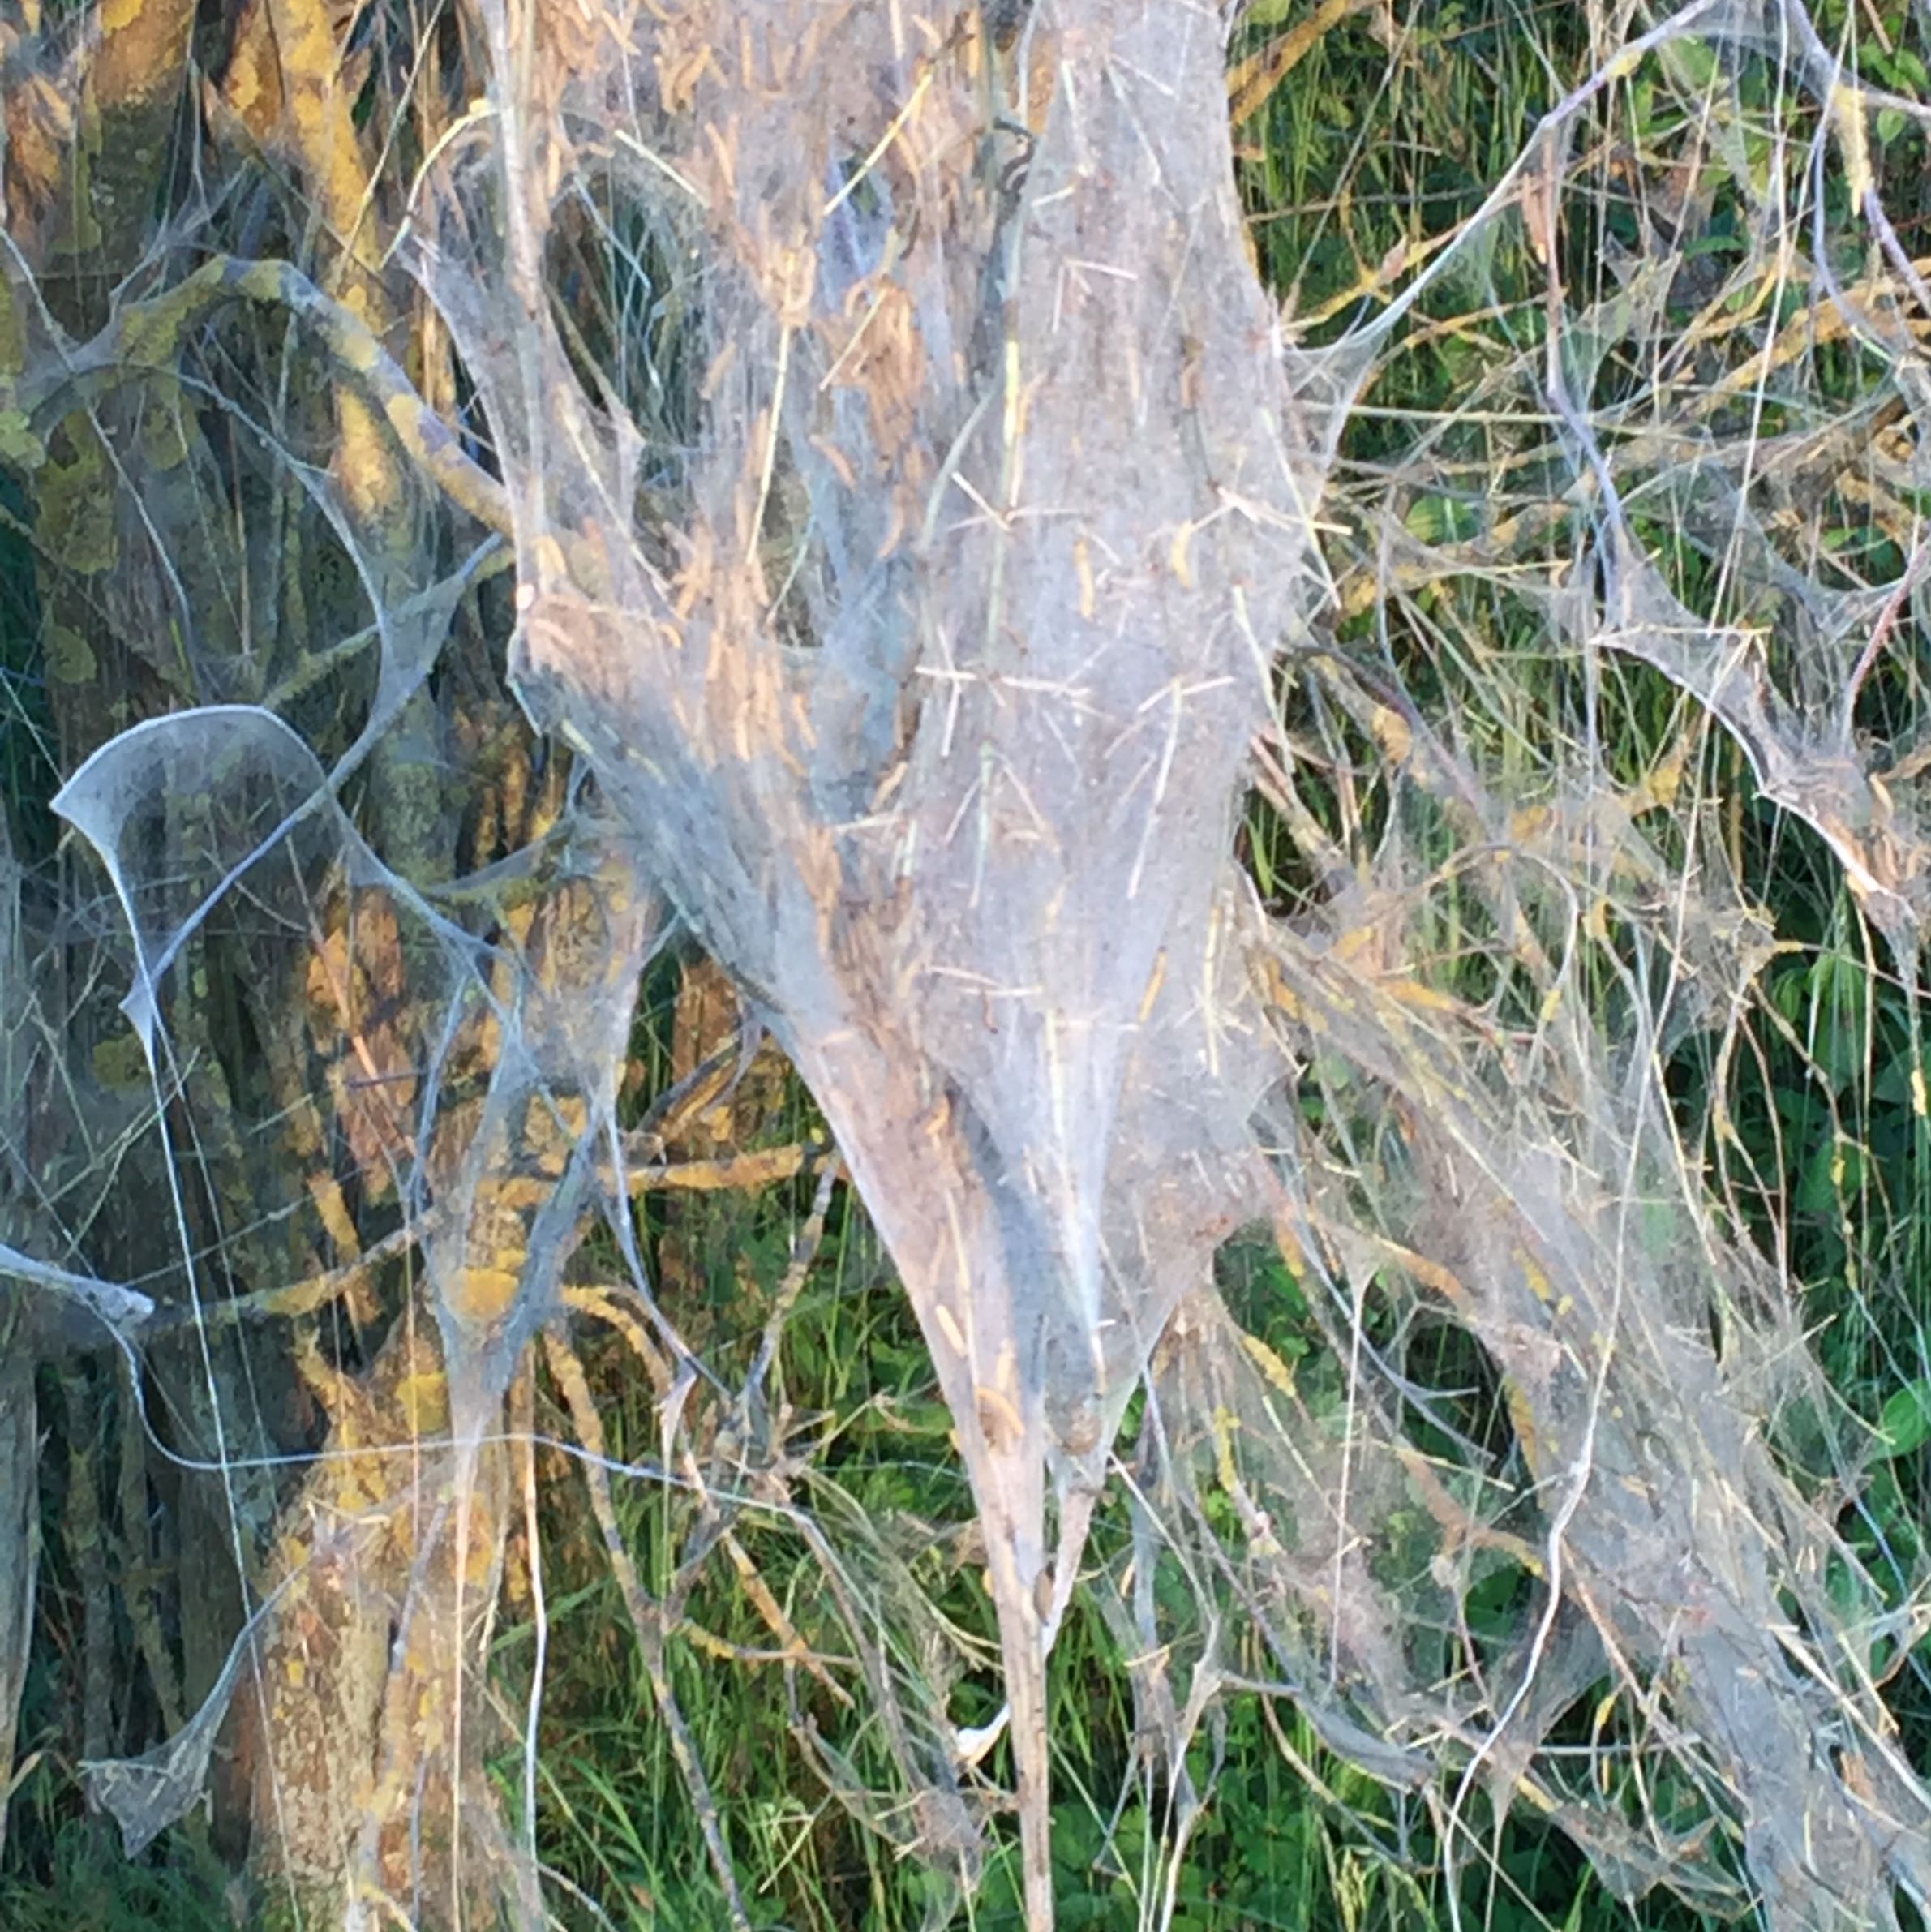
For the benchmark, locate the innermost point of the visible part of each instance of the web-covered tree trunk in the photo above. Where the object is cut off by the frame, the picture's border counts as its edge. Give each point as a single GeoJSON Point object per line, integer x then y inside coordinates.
{"type": "Point", "coordinates": [200, 549]}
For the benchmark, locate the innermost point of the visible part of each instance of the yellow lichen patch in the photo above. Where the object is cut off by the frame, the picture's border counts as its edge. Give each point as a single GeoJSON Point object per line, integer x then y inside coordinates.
{"type": "Point", "coordinates": [13, 334]}
{"type": "Point", "coordinates": [363, 459]}
{"type": "Point", "coordinates": [144, 46]}
{"type": "Point", "coordinates": [1521, 1413]}
{"type": "Point", "coordinates": [252, 85]}
{"type": "Point", "coordinates": [326, 1192]}
{"type": "Point", "coordinates": [357, 985]}
{"type": "Point", "coordinates": [120, 1060]}
{"type": "Point", "coordinates": [488, 1293]}
{"type": "Point", "coordinates": [1532, 1274]}
{"type": "Point", "coordinates": [41, 126]}
{"type": "Point", "coordinates": [423, 1398]}
{"type": "Point", "coordinates": [77, 499]}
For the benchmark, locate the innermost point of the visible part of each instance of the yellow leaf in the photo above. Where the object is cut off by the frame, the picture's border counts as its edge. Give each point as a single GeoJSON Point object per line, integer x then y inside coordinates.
{"type": "Point", "coordinates": [1277, 1371]}
{"type": "Point", "coordinates": [1392, 734]}
{"type": "Point", "coordinates": [1225, 1423]}
{"type": "Point", "coordinates": [1846, 110]}
{"type": "Point", "coordinates": [1176, 556]}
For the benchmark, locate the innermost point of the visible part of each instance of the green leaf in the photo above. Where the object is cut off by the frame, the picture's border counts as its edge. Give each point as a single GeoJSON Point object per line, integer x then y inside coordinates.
{"type": "Point", "coordinates": [18, 445]}
{"type": "Point", "coordinates": [1833, 1170]}
{"type": "Point", "coordinates": [70, 658]}
{"type": "Point", "coordinates": [1906, 1421]}
{"type": "Point", "coordinates": [1693, 64]}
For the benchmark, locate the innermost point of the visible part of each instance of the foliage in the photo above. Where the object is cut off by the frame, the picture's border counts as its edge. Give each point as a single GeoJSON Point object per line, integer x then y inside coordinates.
{"type": "Point", "coordinates": [724, 1523]}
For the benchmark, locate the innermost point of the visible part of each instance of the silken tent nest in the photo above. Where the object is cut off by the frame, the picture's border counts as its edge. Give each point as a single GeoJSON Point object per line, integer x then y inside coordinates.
{"type": "Point", "coordinates": [924, 581]}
